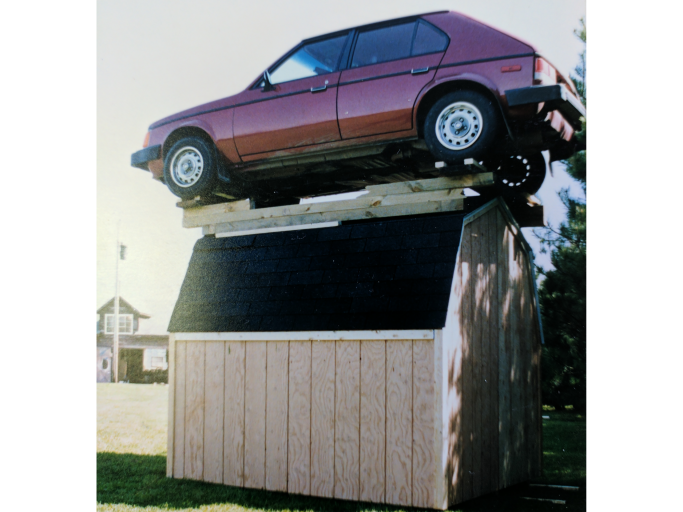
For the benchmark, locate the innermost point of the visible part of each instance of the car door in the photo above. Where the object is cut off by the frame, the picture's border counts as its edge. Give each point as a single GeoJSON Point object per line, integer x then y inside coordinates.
{"type": "Point", "coordinates": [301, 108]}
{"type": "Point", "coordinates": [388, 68]}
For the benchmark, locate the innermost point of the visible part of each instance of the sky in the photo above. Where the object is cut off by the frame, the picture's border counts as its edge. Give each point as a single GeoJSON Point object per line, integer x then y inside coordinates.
{"type": "Point", "coordinates": [155, 58]}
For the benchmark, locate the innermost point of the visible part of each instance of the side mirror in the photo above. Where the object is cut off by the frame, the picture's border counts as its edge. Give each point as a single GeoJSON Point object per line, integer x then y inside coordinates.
{"type": "Point", "coordinates": [267, 84]}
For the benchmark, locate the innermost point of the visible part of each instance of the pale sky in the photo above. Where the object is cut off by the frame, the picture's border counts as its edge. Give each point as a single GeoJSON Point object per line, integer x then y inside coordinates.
{"type": "Point", "coordinates": [155, 58]}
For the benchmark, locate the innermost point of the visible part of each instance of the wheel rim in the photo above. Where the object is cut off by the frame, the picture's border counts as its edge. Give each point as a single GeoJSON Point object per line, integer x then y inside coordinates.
{"type": "Point", "coordinates": [187, 166]}
{"type": "Point", "coordinates": [459, 126]}
{"type": "Point", "coordinates": [518, 172]}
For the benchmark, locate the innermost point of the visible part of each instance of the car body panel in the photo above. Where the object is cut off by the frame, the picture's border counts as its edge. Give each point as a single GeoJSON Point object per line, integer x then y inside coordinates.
{"type": "Point", "coordinates": [380, 98]}
{"type": "Point", "coordinates": [329, 146]}
{"type": "Point", "coordinates": [290, 115]}
{"type": "Point", "coordinates": [471, 40]}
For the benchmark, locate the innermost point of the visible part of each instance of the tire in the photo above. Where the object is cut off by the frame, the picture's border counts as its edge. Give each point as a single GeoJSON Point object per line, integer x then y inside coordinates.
{"type": "Point", "coordinates": [518, 173]}
{"type": "Point", "coordinates": [190, 167]}
{"type": "Point", "coordinates": [462, 124]}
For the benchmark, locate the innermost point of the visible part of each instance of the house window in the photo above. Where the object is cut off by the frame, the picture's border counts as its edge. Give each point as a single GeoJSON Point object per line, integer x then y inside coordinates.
{"type": "Point", "coordinates": [125, 324]}
{"type": "Point", "coordinates": [154, 359]}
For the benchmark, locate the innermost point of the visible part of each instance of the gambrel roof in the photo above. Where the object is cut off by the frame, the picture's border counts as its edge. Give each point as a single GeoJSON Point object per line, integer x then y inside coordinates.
{"type": "Point", "coordinates": [362, 275]}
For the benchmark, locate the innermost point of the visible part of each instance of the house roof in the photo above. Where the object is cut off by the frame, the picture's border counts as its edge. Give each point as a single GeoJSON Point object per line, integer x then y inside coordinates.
{"type": "Point", "coordinates": [134, 340]}
{"type": "Point", "coordinates": [110, 305]}
{"type": "Point", "coordinates": [363, 275]}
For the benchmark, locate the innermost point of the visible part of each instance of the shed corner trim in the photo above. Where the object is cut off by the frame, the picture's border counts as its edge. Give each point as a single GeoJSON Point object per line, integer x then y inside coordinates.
{"type": "Point", "coordinates": [415, 334]}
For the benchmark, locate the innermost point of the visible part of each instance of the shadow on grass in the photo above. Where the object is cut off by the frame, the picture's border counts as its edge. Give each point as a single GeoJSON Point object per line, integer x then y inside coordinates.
{"type": "Point", "coordinates": [140, 480]}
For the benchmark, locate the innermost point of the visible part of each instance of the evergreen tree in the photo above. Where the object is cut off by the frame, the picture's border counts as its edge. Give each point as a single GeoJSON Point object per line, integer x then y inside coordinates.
{"type": "Point", "coordinates": [562, 293]}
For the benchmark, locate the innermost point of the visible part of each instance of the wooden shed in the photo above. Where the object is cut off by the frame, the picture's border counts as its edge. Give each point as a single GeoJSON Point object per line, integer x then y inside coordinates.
{"type": "Point", "coordinates": [390, 361]}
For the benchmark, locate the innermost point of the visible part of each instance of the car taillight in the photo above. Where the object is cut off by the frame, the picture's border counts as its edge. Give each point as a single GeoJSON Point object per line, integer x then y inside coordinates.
{"type": "Point", "coordinates": [544, 73]}
{"type": "Point", "coordinates": [146, 141]}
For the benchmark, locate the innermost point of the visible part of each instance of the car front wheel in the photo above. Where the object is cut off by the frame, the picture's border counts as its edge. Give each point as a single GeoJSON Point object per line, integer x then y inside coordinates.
{"type": "Point", "coordinates": [190, 167]}
{"type": "Point", "coordinates": [461, 125]}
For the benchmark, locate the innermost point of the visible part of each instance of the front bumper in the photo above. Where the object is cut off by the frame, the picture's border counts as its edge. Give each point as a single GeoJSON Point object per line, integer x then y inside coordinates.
{"type": "Point", "coordinates": [556, 97]}
{"type": "Point", "coordinates": [140, 158]}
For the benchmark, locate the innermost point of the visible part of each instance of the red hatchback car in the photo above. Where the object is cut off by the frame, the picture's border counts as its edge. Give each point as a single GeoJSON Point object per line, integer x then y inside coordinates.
{"type": "Point", "coordinates": [371, 104]}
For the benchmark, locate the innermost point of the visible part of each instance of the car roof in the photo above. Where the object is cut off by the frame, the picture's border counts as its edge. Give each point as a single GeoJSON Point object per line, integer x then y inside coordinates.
{"type": "Point", "coordinates": [374, 24]}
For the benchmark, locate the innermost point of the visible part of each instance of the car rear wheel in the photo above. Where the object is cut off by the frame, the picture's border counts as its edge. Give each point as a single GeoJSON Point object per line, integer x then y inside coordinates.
{"type": "Point", "coordinates": [518, 173]}
{"type": "Point", "coordinates": [462, 124]}
{"type": "Point", "coordinates": [190, 167]}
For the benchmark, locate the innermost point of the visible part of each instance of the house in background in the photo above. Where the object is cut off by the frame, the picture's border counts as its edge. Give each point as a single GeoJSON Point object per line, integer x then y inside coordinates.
{"type": "Point", "coordinates": [143, 358]}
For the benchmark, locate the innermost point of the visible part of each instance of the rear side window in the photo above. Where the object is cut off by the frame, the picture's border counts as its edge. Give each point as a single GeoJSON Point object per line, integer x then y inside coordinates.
{"type": "Point", "coordinates": [428, 40]}
{"type": "Point", "coordinates": [397, 42]}
{"type": "Point", "coordinates": [383, 44]}
{"type": "Point", "coordinates": [312, 59]}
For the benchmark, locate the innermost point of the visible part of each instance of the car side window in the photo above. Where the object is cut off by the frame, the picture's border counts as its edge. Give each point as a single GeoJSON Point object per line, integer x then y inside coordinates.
{"type": "Point", "coordinates": [383, 44]}
{"type": "Point", "coordinates": [312, 59]}
{"type": "Point", "coordinates": [428, 40]}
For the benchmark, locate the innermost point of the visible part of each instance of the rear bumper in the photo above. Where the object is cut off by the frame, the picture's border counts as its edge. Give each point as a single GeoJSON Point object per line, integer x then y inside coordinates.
{"type": "Point", "coordinates": [556, 97]}
{"type": "Point", "coordinates": [141, 158]}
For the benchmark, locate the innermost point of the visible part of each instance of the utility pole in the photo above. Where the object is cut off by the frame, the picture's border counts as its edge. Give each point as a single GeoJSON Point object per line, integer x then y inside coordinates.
{"type": "Point", "coordinates": [115, 366]}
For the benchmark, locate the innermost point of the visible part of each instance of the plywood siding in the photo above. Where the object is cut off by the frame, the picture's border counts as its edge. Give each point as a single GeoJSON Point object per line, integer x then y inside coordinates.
{"type": "Point", "coordinates": [491, 342]}
{"type": "Point", "coordinates": [347, 419]}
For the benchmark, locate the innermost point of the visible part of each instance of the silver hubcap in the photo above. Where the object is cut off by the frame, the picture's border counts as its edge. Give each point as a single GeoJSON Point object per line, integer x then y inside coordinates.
{"type": "Point", "coordinates": [459, 126]}
{"type": "Point", "coordinates": [187, 166]}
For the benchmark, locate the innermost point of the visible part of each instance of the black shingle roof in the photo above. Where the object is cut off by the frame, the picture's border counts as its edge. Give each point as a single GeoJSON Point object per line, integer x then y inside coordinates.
{"type": "Point", "coordinates": [388, 274]}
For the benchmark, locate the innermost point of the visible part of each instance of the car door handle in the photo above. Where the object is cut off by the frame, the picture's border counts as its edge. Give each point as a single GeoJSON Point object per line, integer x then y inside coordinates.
{"type": "Point", "coordinates": [318, 89]}
{"type": "Point", "coordinates": [419, 71]}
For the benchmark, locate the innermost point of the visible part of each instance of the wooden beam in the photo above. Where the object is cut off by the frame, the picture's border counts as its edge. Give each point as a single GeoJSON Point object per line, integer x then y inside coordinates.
{"type": "Point", "coordinates": [345, 215]}
{"type": "Point", "coordinates": [421, 334]}
{"type": "Point", "coordinates": [210, 215]}
{"type": "Point", "coordinates": [403, 198]}
{"type": "Point", "coordinates": [319, 225]}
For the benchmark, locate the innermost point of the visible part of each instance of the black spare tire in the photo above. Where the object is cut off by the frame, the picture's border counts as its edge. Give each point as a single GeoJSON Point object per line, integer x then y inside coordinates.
{"type": "Point", "coordinates": [462, 124]}
{"type": "Point", "coordinates": [190, 167]}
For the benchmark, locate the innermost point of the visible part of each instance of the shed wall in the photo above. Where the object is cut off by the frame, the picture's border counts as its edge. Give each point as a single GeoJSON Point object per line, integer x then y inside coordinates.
{"type": "Point", "coordinates": [352, 419]}
{"type": "Point", "coordinates": [491, 363]}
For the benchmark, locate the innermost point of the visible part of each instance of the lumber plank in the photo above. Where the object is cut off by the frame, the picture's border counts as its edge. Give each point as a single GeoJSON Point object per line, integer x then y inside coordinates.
{"type": "Point", "coordinates": [232, 206]}
{"type": "Point", "coordinates": [485, 379]}
{"type": "Point", "coordinates": [255, 415]}
{"type": "Point", "coordinates": [233, 451]}
{"type": "Point", "coordinates": [422, 334]}
{"type": "Point", "coordinates": [450, 182]}
{"type": "Point", "coordinates": [504, 369]}
{"type": "Point", "coordinates": [515, 387]}
{"type": "Point", "coordinates": [466, 331]}
{"type": "Point", "coordinates": [179, 419]}
{"type": "Point", "coordinates": [372, 420]}
{"type": "Point", "coordinates": [194, 414]}
{"type": "Point", "coordinates": [214, 392]}
{"type": "Point", "coordinates": [347, 421]}
{"type": "Point", "coordinates": [399, 434]}
{"type": "Point", "coordinates": [424, 457]}
{"type": "Point", "coordinates": [528, 361]}
{"type": "Point", "coordinates": [441, 421]}
{"type": "Point", "coordinates": [322, 418]}
{"type": "Point", "coordinates": [300, 417]}
{"type": "Point", "coordinates": [276, 414]}
{"type": "Point", "coordinates": [447, 205]}
{"type": "Point", "coordinates": [407, 192]}
{"type": "Point", "coordinates": [207, 215]}
{"type": "Point", "coordinates": [170, 449]}
{"type": "Point", "coordinates": [453, 340]}
{"type": "Point", "coordinates": [494, 319]}
{"type": "Point", "coordinates": [476, 346]}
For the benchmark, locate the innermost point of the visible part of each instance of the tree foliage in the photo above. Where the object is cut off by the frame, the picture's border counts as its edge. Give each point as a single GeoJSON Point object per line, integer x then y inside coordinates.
{"type": "Point", "coordinates": [562, 293]}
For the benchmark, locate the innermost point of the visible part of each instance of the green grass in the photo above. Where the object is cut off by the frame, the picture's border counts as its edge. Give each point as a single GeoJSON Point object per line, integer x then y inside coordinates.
{"type": "Point", "coordinates": [131, 466]}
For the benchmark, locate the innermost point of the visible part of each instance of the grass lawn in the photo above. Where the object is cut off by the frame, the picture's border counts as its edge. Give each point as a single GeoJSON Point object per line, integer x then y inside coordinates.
{"type": "Point", "coordinates": [131, 466]}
